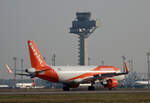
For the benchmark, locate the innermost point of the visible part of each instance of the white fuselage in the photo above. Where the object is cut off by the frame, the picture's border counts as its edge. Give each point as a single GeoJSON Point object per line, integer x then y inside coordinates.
{"type": "Point", "coordinates": [76, 74]}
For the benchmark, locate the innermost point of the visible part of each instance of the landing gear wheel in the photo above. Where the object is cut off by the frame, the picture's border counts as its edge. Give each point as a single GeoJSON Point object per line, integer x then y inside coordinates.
{"type": "Point", "coordinates": [66, 88]}
{"type": "Point", "coordinates": [110, 89]}
{"type": "Point", "coordinates": [91, 88]}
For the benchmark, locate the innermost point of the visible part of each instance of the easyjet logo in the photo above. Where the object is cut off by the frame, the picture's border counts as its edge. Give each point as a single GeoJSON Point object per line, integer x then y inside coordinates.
{"type": "Point", "coordinates": [35, 53]}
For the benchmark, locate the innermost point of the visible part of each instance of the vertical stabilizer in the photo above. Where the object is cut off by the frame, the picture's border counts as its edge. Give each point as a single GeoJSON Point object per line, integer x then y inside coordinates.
{"type": "Point", "coordinates": [126, 68]}
{"type": "Point", "coordinates": [35, 57]}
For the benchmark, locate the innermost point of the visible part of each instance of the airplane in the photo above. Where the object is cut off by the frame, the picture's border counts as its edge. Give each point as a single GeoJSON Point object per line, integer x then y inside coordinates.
{"type": "Point", "coordinates": [142, 82]}
{"type": "Point", "coordinates": [71, 76]}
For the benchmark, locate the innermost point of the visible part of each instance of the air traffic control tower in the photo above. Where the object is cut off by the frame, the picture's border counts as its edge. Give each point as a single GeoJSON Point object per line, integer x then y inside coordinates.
{"type": "Point", "coordinates": [83, 26]}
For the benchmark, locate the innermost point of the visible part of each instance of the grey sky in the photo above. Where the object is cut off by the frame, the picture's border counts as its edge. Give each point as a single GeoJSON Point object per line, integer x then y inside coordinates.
{"type": "Point", "coordinates": [126, 30]}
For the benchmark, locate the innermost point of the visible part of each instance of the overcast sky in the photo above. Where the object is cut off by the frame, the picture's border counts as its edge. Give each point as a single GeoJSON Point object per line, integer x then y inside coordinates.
{"type": "Point", "coordinates": [125, 31]}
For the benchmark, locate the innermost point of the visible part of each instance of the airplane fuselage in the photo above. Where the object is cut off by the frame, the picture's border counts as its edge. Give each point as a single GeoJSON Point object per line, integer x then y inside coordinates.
{"type": "Point", "coordinates": [76, 74]}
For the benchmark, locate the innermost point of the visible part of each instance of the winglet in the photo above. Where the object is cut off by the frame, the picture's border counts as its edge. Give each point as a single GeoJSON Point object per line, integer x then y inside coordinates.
{"type": "Point", "coordinates": [126, 68]}
{"type": "Point", "coordinates": [8, 69]}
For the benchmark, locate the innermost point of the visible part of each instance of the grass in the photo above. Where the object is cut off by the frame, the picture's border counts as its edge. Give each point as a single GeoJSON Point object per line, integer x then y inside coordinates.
{"type": "Point", "coordinates": [78, 98]}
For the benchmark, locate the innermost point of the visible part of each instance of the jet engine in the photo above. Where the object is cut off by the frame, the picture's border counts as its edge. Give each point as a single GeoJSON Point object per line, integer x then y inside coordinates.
{"type": "Point", "coordinates": [110, 83]}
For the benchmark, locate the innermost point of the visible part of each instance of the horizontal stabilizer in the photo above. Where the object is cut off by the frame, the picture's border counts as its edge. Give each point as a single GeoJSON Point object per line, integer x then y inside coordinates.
{"type": "Point", "coordinates": [24, 74]}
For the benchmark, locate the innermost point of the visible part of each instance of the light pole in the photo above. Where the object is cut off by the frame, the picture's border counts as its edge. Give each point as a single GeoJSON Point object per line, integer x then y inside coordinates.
{"type": "Point", "coordinates": [54, 59]}
{"type": "Point", "coordinates": [89, 61]}
{"type": "Point", "coordinates": [148, 63]}
{"type": "Point", "coordinates": [22, 69]}
{"type": "Point", "coordinates": [15, 61]}
{"type": "Point", "coordinates": [102, 62]}
{"type": "Point", "coordinates": [131, 72]}
{"type": "Point", "coordinates": [131, 66]}
{"type": "Point", "coordinates": [124, 58]}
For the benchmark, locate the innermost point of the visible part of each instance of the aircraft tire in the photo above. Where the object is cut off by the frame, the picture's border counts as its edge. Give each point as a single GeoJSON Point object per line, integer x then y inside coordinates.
{"type": "Point", "coordinates": [91, 88]}
{"type": "Point", "coordinates": [66, 88]}
{"type": "Point", "coordinates": [110, 89]}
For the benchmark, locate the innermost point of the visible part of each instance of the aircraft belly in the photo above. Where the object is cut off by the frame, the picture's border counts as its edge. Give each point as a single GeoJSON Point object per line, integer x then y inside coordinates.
{"type": "Point", "coordinates": [65, 77]}
{"type": "Point", "coordinates": [119, 77]}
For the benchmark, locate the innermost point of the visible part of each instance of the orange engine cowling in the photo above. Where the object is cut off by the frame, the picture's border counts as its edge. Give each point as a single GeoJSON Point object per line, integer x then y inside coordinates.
{"type": "Point", "coordinates": [111, 83]}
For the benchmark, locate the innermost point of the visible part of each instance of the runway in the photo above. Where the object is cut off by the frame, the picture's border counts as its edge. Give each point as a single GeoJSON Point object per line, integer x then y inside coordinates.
{"type": "Point", "coordinates": [75, 92]}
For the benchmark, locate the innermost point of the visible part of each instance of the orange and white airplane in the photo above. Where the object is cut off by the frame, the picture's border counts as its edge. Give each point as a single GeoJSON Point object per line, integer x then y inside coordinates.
{"type": "Point", "coordinates": [71, 76]}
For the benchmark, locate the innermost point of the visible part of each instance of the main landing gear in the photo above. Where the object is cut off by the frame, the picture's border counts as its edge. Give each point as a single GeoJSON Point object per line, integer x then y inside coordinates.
{"type": "Point", "coordinates": [66, 88]}
{"type": "Point", "coordinates": [110, 89]}
{"type": "Point", "coordinates": [91, 88]}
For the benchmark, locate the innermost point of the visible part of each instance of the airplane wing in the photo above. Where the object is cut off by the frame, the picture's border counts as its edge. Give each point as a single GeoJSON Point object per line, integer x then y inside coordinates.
{"type": "Point", "coordinates": [105, 75]}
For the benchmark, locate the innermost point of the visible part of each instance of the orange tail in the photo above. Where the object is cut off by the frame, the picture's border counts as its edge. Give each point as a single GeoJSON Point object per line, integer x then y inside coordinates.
{"type": "Point", "coordinates": [35, 57]}
{"type": "Point", "coordinates": [126, 68]}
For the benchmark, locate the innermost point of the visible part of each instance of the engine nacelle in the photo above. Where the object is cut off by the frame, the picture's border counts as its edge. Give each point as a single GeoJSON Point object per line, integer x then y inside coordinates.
{"type": "Point", "coordinates": [111, 83]}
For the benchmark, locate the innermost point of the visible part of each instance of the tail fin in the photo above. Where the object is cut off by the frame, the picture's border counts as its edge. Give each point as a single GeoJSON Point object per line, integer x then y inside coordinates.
{"type": "Point", "coordinates": [8, 69]}
{"type": "Point", "coordinates": [35, 57]}
{"type": "Point", "coordinates": [126, 68]}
